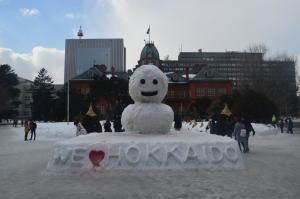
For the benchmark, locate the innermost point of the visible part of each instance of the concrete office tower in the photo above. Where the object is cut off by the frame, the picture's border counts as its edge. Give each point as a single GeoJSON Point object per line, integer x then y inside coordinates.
{"type": "Point", "coordinates": [82, 54]}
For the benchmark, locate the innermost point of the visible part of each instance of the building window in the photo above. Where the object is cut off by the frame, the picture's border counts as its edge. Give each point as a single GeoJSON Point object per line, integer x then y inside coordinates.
{"type": "Point", "coordinates": [102, 109]}
{"type": "Point", "coordinates": [181, 94]}
{"type": "Point", "coordinates": [211, 92]}
{"type": "Point", "coordinates": [27, 106]}
{"type": "Point", "coordinates": [26, 97]}
{"type": "Point", "coordinates": [171, 94]}
{"type": "Point", "coordinates": [26, 113]}
{"type": "Point", "coordinates": [200, 92]}
{"type": "Point", "coordinates": [222, 91]}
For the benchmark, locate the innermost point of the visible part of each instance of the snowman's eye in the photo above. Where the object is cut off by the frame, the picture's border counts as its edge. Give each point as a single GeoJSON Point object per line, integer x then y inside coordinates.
{"type": "Point", "coordinates": [143, 81]}
{"type": "Point", "coordinates": [155, 81]}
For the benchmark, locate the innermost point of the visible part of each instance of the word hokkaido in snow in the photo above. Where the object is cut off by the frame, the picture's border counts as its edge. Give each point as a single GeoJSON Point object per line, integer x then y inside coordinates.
{"type": "Point", "coordinates": [166, 154]}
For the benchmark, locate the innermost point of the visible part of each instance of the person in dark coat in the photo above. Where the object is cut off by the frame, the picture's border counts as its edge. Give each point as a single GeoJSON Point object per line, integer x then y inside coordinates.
{"type": "Point", "coordinates": [32, 130]}
{"type": "Point", "coordinates": [281, 124]}
{"type": "Point", "coordinates": [90, 122]}
{"type": "Point", "coordinates": [177, 123]}
{"type": "Point", "coordinates": [290, 126]}
{"type": "Point", "coordinates": [249, 129]}
{"type": "Point", "coordinates": [117, 124]}
{"type": "Point", "coordinates": [229, 126]}
{"type": "Point", "coordinates": [107, 126]}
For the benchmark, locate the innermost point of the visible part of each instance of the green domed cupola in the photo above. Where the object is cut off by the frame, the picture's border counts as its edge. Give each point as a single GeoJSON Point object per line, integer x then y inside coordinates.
{"type": "Point", "coordinates": [149, 52]}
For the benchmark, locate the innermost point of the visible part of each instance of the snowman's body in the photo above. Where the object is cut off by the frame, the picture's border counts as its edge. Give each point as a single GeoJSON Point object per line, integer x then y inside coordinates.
{"type": "Point", "coordinates": [148, 118]}
{"type": "Point", "coordinates": [147, 87]}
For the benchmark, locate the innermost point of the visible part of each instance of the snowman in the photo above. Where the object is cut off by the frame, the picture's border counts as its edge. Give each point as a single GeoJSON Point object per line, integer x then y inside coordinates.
{"type": "Point", "coordinates": [148, 86]}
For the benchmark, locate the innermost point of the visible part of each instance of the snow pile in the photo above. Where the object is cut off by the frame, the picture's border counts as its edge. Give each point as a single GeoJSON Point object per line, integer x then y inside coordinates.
{"type": "Point", "coordinates": [183, 150]}
{"type": "Point", "coordinates": [194, 126]}
{"type": "Point", "coordinates": [57, 130]}
{"type": "Point", "coordinates": [260, 129]}
{"type": "Point", "coordinates": [264, 130]}
{"type": "Point", "coordinates": [61, 130]}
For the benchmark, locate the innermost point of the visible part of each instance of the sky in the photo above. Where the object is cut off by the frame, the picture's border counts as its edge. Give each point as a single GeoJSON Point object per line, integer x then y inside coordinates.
{"type": "Point", "coordinates": [33, 32]}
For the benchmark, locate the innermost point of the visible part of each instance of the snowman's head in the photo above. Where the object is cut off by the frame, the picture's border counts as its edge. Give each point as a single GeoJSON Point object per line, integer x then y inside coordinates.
{"type": "Point", "coordinates": [148, 84]}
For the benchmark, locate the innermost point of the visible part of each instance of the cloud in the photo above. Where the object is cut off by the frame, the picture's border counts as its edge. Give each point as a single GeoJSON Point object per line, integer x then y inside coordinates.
{"type": "Point", "coordinates": [206, 24]}
{"type": "Point", "coordinates": [27, 65]}
{"type": "Point", "coordinates": [29, 11]}
{"type": "Point", "coordinates": [72, 16]}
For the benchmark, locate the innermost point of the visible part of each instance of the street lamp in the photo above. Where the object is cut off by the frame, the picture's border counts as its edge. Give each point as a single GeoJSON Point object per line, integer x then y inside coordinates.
{"type": "Point", "coordinates": [68, 103]}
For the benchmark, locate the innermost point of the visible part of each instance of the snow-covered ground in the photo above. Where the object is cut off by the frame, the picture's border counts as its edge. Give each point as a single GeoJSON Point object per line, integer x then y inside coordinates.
{"type": "Point", "coordinates": [272, 171]}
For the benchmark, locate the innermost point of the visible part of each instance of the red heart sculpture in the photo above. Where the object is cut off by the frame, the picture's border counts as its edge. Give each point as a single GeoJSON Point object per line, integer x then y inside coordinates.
{"type": "Point", "coordinates": [96, 157]}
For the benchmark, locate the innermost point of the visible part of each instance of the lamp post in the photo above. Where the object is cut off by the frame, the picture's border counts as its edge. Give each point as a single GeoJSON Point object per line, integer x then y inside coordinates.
{"type": "Point", "coordinates": [68, 103]}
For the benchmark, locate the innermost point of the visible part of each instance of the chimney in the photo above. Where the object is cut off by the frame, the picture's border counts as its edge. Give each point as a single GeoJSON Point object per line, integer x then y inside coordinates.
{"type": "Point", "coordinates": [200, 50]}
{"type": "Point", "coordinates": [187, 73]}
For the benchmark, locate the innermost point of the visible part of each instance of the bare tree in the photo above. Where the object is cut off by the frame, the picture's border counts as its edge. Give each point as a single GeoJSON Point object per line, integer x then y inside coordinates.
{"type": "Point", "coordinates": [257, 48]}
{"type": "Point", "coordinates": [274, 77]}
{"type": "Point", "coordinates": [166, 58]}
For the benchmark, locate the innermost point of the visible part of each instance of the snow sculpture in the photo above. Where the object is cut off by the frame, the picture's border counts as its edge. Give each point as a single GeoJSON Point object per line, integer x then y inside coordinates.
{"type": "Point", "coordinates": [147, 87]}
{"type": "Point", "coordinates": [182, 149]}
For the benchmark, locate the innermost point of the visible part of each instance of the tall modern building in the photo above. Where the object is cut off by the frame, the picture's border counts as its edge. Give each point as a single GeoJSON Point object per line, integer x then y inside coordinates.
{"type": "Point", "coordinates": [82, 54]}
{"type": "Point", "coordinates": [242, 68]}
{"type": "Point", "coordinates": [276, 78]}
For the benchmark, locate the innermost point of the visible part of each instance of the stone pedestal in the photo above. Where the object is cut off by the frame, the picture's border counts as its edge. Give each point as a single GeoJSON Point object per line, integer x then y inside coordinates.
{"type": "Point", "coordinates": [106, 151]}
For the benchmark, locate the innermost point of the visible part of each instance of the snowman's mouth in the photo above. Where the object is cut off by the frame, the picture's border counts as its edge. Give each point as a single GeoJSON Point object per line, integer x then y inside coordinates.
{"type": "Point", "coordinates": [152, 93]}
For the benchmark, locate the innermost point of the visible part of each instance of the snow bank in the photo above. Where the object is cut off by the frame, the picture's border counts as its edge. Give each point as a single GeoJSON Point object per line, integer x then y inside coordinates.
{"type": "Point", "coordinates": [264, 130]}
{"type": "Point", "coordinates": [54, 131]}
{"type": "Point", "coordinates": [61, 130]}
{"type": "Point", "coordinates": [194, 126]}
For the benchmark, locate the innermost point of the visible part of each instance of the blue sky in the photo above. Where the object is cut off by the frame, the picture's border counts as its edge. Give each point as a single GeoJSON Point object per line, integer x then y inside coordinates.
{"type": "Point", "coordinates": [33, 32]}
{"type": "Point", "coordinates": [48, 28]}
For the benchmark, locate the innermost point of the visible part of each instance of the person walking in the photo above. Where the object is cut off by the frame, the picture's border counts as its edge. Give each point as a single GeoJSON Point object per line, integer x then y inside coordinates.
{"type": "Point", "coordinates": [107, 126]}
{"type": "Point", "coordinates": [281, 124]}
{"type": "Point", "coordinates": [15, 122]}
{"type": "Point", "coordinates": [274, 121]}
{"type": "Point", "coordinates": [249, 129]}
{"type": "Point", "coordinates": [239, 133]}
{"type": "Point", "coordinates": [26, 129]}
{"type": "Point", "coordinates": [32, 130]}
{"type": "Point", "coordinates": [290, 126]}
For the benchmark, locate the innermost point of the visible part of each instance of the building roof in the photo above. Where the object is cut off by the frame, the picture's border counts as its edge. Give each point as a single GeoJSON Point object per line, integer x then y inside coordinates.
{"type": "Point", "coordinates": [94, 73]}
{"type": "Point", "coordinates": [149, 52]}
{"type": "Point", "coordinates": [214, 56]}
{"type": "Point", "coordinates": [205, 73]}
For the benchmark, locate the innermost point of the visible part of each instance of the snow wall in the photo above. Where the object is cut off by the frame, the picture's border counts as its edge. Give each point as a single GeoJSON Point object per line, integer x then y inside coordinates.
{"type": "Point", "coordinates": [106, 151]}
